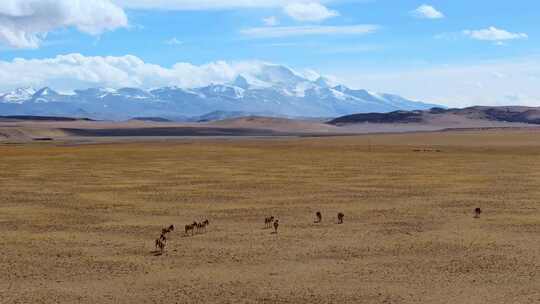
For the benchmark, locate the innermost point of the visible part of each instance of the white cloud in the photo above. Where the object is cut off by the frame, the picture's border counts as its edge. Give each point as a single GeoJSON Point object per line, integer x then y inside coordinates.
{"type": "Point", "coordinates": [270, 21]}
{"type": "Point", "coordinates": [206, 4]}
{"type": "Point", "coordinates": [285, 31]}
{"type": "Point", "coordinates": [487, 83]}
{"type": "Point", "coordinates": [427, 12]}
{"type": "Point", "coordinates": [309, 11]}
{"type": "Point", "coordinates": [173, 41]}
{"type": "Point", "coordinates": [490, 83]}
{"type": "Point", "coordinates": [25, 23]}
{"type": "Point", "coordinates": [494, 34]}
{"type": "Point", "coordinates": [75, 71]}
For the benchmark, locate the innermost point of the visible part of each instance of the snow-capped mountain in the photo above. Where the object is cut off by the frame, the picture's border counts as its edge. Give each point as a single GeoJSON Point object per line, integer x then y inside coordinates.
{"type": "Point", "coordinates": [17, 96]}
{"type": "Point", "coordinates": [272, 89]}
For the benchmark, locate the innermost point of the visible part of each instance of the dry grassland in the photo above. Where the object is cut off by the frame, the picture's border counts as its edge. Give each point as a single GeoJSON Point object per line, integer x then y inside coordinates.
{"type": "Point", "coordinates": [77, 223]}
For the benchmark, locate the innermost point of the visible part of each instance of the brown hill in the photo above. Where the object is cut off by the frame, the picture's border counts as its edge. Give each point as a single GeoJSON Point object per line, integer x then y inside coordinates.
{"type": "Point", "coordinates": [276, 124]}
{"type": "Point", "coordinates": [523, 115]}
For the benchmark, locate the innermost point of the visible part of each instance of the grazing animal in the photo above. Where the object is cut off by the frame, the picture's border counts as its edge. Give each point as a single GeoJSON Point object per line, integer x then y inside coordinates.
{"type": "Point", "coordinates": [477, 212]}
{"type": "Point", "coordinates": [189, 228]}
{"type": "Point", "coordinates": [276, 225]}
{"type": "Point", "coordinates": [204, 224]}
{"type": "Point", "coordinates": [340, 217]}
{"type": "Point", "coordinates": [200, 227]}
{"type": "Point", "coordinates": [268, 222]}
{"type": "Point", "coordinates": [161, 245]}
{"type": "Point", "coordinates": [193, 227]}
{"type": "Point", "coordinates": [319, 217]}
{"type": "Point", "coordinates": [161, 242]}
{"type": "Point", "coordinates": [196, 227]}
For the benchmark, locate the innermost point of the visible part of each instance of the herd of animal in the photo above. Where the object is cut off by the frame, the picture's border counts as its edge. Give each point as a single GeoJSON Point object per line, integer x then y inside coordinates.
{"type": "Point", "coordinates": [161, 242]}
{"type": "Point", "coordinates": [197, 227]}
{"type": "Point", "coordinates": [269, 222]}
{"type": "Point", "coordinates": [200, 227]}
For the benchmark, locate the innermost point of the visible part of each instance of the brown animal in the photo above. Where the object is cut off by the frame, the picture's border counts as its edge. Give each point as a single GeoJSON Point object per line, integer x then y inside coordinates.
{"type": "Point", "coordinates": [204, 224]}
{"type": "Point", "coordinates": [189, 228]}
{"type": "Point", "coordinates": [200, 227]}
{"type": "Point", "coordinates": [340, 217]}
{"type": "Point", "coordinates": [268, 222]}
{"type": "Point", "coordinates": [162, 240]}
{"type": "Point", "coordinates": [319, 217]}
{"type": "Point", "coordinates": [161, 245]}
{"type": "Point", "coordinates": [167, 230]}
{"type": "Point", "coordinates": [477, 212]}
{"type": "Point", "coordinates": [276, 226]}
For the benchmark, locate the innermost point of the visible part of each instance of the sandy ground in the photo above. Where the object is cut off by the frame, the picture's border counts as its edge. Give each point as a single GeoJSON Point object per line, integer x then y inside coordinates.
{"type": "Point", "coordinates": [99, 131]}
{"type": "Point", "coordinates": [77, 223]}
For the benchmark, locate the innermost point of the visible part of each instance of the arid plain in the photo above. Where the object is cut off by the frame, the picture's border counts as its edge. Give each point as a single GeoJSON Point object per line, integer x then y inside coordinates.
{"type": "Point", "coordinates": [78, 222]}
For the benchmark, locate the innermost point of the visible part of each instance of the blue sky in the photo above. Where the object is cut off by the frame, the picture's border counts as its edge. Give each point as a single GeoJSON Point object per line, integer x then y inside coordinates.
{"type": "Point", "coordinates": [455, 52]}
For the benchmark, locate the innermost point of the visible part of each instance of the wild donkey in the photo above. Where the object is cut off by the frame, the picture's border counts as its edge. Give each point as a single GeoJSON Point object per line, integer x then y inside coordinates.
{"type": "Point", "coordinates": [161, 242]}
{"type": "Point", "coordinates": [319, 217]}
{"type": "Point", "coordinates": [340, 217]}
{"type": "Point", "coordinates": [268, 222]}
{"type": "Point", "coordinates": [191, 227]}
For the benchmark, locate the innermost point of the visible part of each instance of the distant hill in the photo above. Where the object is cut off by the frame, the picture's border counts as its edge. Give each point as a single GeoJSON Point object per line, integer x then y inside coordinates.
{"type": "Point", "coordinates": [152, 119]}
{"type": "Point", "coordinates": [42, 118]}
{"type": "Point", "coordinates": [220, 115]}
{"type": "Point", "coordinates": [277, 124]}
{"type": "Point", "coordinates": [525, 115]}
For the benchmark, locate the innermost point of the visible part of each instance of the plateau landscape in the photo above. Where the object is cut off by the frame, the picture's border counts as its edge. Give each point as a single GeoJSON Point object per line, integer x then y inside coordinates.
{"type": "Point", "coordinates": [273, 91]}
{"type": "Point", "coordinates": [276, 151]}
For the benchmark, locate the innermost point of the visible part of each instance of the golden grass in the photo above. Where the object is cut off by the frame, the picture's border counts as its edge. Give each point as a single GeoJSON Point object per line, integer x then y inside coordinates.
{"type": "Point", "coordinates": [77, 223]}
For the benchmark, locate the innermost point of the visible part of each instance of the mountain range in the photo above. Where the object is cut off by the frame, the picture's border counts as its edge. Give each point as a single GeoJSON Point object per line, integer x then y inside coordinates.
{"type": "Point", "coordinates": [274, 90]}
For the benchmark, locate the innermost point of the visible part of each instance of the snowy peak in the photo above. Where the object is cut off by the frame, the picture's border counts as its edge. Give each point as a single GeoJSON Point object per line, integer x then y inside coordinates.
{"type": "Point", "coordinates": [272, 89]}
{"type": "Point", "coordinates": [45, 92]}
{"type": "Point", "coordinates": [241, 82]}
{"type": "Point", "coordinates": [279, 75]}
{"type": "Point", "coordinates": [133, 93]}
{"type": "Point", "coordinates": [175, 93]}
{"type": "Point", "coordinates": [341, 88]}
{"type": "Point", "coordinates": [95, 92]}
{"type": "Point", "coordinates": [18, 95]}
{"type": "Point", "coordinates": [323, 82]}
{"type": "Point", "coordinates": [222, 90]}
